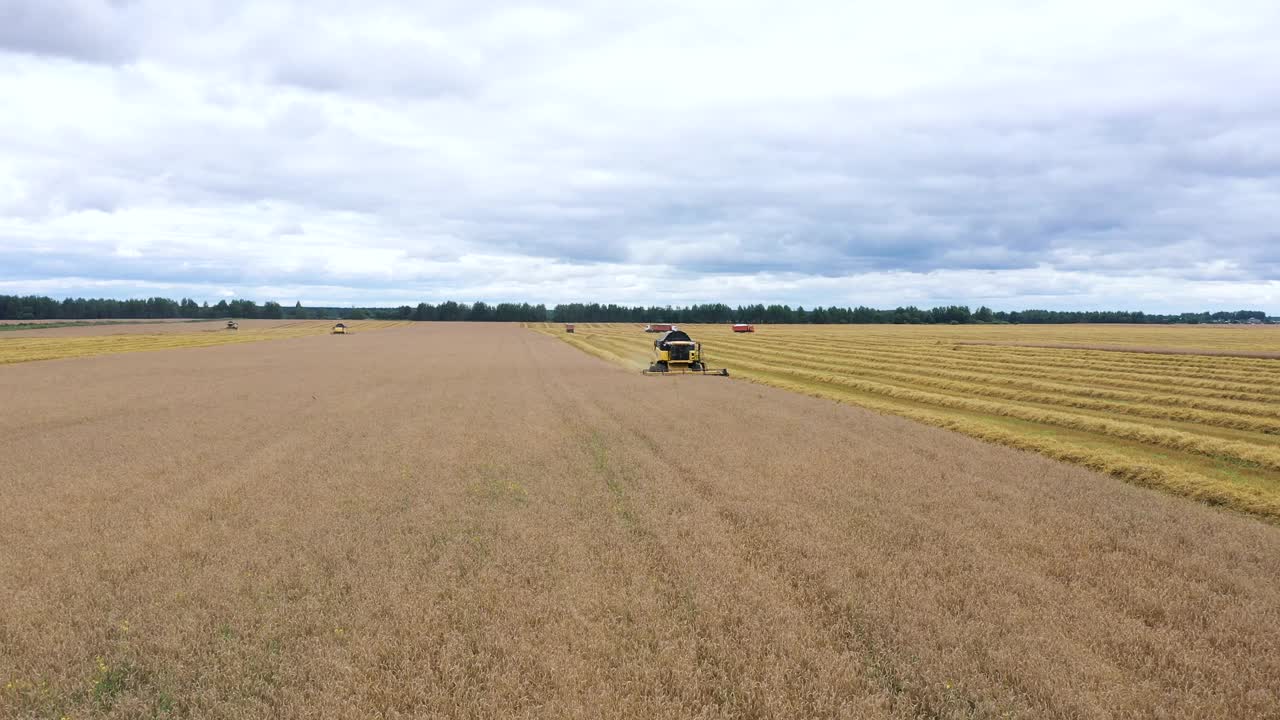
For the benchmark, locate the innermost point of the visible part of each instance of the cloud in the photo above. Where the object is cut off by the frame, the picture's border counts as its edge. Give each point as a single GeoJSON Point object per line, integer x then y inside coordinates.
{"type": "Point", "coordinates": [1070, 154]}
{"type": "Point", "coordinates": [89, 30]}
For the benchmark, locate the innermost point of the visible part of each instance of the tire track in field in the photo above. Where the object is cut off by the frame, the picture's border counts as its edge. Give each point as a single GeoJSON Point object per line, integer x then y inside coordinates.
{"type": "Point", "coordinates": [650, 474]}
{"type": "Point", "coordinates": [806, 589]}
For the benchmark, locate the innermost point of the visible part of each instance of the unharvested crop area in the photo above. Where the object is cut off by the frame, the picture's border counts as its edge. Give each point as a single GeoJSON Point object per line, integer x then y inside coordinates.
{"type": "Point", "coordinates": [104, 339]}
{"type": "Point", "coordinates": [1201, 425]}
{"type": "Point", "coordinates": [478, 521]}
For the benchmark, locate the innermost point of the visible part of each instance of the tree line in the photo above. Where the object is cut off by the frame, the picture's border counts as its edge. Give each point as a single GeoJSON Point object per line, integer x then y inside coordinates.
{"type": "Point", "coordinates": [909, 315]}
{"type": "Point", "coordinates": [34, 307]}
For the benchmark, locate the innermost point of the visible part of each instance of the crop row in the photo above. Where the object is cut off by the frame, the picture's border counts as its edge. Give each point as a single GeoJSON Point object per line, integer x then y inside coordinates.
{"type": "Point", "coordinates": [1241, 496]}
{"type": "Point", "coordinates": [1152, 392]}
{"type": "Point", "coordinates": [1266, 340]}
{"type": "Point", "coordinates": [1085, 382]}
{"type": "Point", "coordinates": [1266, 457]}
{"type": "Point", "coordinates": [1258, 383]}
{"type": "Point", "coordinates": [1216, 364]}
{"type": "Point", "coordinates": [977, 385]}
{"type": "Point", "coordinates": [1262, 374]}
{"type": "Point", "coordinates": [1040, 394]}
{"type": "Point", "coordinates": [1049, 367]}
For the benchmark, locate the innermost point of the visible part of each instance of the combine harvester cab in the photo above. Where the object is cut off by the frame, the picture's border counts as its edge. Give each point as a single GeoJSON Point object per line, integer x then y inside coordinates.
{"type": "Point", "coordinates": [676, 352]}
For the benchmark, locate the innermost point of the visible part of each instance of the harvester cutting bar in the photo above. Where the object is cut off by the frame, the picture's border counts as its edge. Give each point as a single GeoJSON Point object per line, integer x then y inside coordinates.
{"type": "Point", "coordinates": [655, 370]}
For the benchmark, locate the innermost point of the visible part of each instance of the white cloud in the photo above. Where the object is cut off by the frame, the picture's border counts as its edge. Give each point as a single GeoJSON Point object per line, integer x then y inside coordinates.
{"type": "Point", "coordinates": [1063, 155]}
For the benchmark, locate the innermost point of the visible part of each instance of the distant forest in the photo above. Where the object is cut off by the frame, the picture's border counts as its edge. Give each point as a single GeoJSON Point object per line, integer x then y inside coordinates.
{"type": "Point", "coordinates": [33, 307]}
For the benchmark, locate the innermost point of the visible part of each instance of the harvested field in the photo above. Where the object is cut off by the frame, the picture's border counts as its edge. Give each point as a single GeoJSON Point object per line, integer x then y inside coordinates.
{"type": "Point", "coordinates": [1199, 425]}
{"type": "Point", "coordinates": [462, 521]}
{"type": "Point", "coordinates": [117, 327]}
{"type": "Point", "coordinates": [17, 325]}
{"type": "Point", "coordinates": [1264, 338]}
{"type": "Point", "coordinates": [67, 342]}
{"type": "Point", "coordinates": [1268, 355]}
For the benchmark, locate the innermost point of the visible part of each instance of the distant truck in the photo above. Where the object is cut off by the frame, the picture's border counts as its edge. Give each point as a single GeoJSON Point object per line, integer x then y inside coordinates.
{"type": "Point", "coordinates": [568, 327]}
{"type": "Point", "coordinates": [660, 328]}
{"type": "Point", "coordinates": [743, 327]}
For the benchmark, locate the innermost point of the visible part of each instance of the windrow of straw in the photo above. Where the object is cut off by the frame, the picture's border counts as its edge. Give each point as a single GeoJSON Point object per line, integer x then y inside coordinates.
{"type": "Point", "coordinates": [1250, 375]}
{"type": "Point", "coordinates": [1267, 457]}
{"type": "Point", "coordinates": [1258, 388]}
{"type": "Point", "coordinates": [1238, 418]}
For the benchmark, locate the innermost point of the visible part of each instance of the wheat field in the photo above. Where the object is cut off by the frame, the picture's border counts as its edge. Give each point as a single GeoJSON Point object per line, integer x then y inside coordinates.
{"type": "Point", "coordinates": [1152, 405]}
{"type": "Point", "coordinates": [71, 342]}
{"type": "Point", "coordinates": [478, 521]}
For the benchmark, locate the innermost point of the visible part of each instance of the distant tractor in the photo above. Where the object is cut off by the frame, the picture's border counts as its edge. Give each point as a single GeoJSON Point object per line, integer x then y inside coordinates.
{"type": "Point", "coordinates": [744, 328]}
{"type": "Point", "coordinates": [233, 325]}
{"type": "Point", "coordinates": [568, 327]}
{"type": "Point", "coordinates": [339, 329]}
{"type": "Point", "coordinates": [660, 328]}
{"type": "Point", "coordinates": [676, 352]}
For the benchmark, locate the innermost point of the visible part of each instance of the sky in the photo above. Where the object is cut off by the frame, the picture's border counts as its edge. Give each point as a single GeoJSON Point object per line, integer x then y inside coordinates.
{"type": "Point", "coordinates": [1012, 153]}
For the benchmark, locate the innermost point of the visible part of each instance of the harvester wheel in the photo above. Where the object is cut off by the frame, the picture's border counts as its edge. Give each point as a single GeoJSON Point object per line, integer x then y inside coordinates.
{"type": "Point", "coordinates": [660, 367]}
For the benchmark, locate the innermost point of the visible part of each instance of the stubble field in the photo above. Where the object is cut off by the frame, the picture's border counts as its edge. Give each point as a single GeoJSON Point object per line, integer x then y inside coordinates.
{"type": "Point", "coordinates": [1166, 407]}
{"type": "Point", "coordinates": [479, 521]}
{"type": "Point", "coordinates": [105, 339]}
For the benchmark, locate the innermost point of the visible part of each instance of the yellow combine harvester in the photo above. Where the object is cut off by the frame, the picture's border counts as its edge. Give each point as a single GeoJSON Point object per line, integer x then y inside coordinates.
{"type": "Point", "coordinates": [339, 329]}
{"type": "Point", "coordinates": [676, 352]}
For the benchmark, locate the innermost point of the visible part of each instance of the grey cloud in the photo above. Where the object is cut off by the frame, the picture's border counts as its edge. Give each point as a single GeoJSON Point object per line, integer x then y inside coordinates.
{"type": "Point", "coordinates": [407, 138]}
{"type": "Point", "coordinates": [337, 62]}
{"type": "Point", "coordinates": [87, 30]}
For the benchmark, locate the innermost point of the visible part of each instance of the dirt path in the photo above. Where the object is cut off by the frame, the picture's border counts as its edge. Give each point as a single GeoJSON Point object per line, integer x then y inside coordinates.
{"type": "Point", "coordinates": [479, 521]}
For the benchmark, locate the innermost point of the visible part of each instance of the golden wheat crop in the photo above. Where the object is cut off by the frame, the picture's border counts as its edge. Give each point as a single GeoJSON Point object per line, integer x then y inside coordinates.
{"type": "Point", "coordinates": [474, 521]}
{"type": "Point", "coordinates": [1200, 425]}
